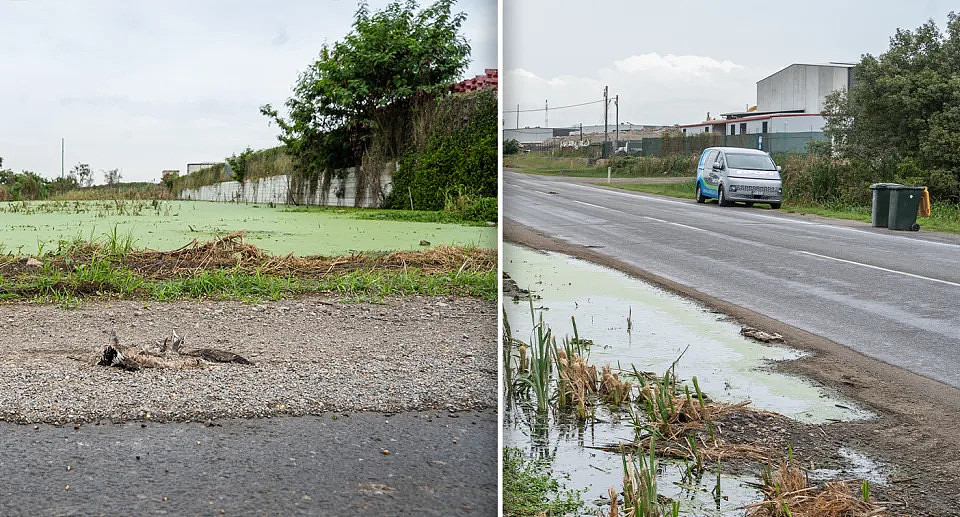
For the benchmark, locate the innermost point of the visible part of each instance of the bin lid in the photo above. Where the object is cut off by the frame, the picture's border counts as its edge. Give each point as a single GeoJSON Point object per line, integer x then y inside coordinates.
{"type": "Point", "coordinates": [907, 187]}
{"type": "Point", "coordinates": [884, 185]}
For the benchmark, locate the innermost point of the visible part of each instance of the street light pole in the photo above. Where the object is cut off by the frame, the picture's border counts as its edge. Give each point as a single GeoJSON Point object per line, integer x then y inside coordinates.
{"type": "Point", "coordinates": [606, 114]}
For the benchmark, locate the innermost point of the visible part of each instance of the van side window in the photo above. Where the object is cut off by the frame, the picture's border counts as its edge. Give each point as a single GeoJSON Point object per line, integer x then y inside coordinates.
{"type": "Point", "coordinates": [712, 157]}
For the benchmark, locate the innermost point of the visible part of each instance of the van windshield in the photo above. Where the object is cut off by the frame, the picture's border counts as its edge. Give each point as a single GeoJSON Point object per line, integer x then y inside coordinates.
{"type": "Point", "coordinates": [753, 162]}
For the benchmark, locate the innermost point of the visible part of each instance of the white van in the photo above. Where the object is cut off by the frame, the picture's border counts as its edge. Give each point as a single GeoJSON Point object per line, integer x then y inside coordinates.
{"type": "Point", "coordinates": [731, 174]}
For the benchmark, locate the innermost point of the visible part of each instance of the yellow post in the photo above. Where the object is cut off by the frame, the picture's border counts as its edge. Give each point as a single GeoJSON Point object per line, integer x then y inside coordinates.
{"type": "Point", "coordinates": [925, 203]}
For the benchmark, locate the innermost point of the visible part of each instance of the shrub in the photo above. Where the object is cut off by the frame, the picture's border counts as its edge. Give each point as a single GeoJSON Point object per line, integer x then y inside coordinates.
{"type": "Point", "coordinates": [454, 152]}
{"type": "Point", "coordinates": [470, 208]}
{"type": "Point", "coordinates": [511, 146]}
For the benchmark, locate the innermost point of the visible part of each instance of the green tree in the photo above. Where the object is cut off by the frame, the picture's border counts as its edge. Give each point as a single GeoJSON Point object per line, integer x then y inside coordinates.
{"type": "Point", "coordinates": [83, 173]}
{"type": "Point", "coordinates": [169, 177]}
{"type": "Point", "coordinates": [511, 146]}
{"type": "Point", "coordinates": [904, 103]}
{"type": "Point", "coordinates": [368, 82]}
{"type": "Point", "coordinates": [112, 176]}
{"type": "Point", "coordinates": [238, 164]}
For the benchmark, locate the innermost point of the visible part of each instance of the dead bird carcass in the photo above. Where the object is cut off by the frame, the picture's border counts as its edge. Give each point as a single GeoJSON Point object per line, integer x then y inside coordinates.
{"type": "Point", "coordinates": [167, 354]}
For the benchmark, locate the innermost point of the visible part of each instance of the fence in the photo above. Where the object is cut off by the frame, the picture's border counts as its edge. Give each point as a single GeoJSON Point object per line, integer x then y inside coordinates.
{"type": "Point", "coordinates": [772, 143]}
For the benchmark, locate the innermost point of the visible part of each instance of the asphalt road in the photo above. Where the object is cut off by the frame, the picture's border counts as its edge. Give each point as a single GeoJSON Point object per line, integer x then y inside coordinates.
{"type": "Point", "coordinates": [894, 296]}
{"type": "Point", "coordinates": [439, 463]}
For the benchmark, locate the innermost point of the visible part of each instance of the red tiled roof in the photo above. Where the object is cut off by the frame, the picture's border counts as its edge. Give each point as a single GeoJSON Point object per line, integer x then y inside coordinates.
{"type": "Point", "coordinates": [489, 79]}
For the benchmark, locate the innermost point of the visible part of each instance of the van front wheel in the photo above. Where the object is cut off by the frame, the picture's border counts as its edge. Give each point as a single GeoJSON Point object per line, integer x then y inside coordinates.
{"type": "Point", "coordinates": [775, 206]}
{"type": "Point", "coordinates": [700, 198]}
{"type": "Point", "coordinates": [721, 197]}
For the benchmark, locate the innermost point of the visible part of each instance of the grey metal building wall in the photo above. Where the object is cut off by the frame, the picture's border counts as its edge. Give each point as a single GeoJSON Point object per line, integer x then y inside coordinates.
{"type": "Point", "coordinates": [800, 87]}
{"type": "Point", "coordinates": [528, 135]}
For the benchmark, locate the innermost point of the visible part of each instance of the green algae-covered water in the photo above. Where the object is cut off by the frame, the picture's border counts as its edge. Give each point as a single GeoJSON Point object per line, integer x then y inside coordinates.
{"type": "Point", "coordinates": [168, 225]}
{"type": "Point", "coordinates": [730, 368]}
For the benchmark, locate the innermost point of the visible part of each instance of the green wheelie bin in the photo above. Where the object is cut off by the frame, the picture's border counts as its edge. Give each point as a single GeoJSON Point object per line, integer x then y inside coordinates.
{"type": "Point", "coordinates": [881, 203]}
{"type": "Point", "coordinates": [904, 205]}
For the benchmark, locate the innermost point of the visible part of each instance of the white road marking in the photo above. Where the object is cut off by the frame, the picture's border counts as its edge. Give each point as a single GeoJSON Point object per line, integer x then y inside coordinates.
{"type": "Point", "coordinates": [676, 224]}
{"type": "Point", "coordinates": [904, 273]}
{"type": "Point", "coordinates": [595, 206]}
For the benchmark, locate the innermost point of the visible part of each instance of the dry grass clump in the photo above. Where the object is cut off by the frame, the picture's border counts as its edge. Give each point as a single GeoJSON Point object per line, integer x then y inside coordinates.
{"type": "Point", "coordinates": [708, 451]}
{"type": "Point", "coordinates": [575, 379]}
{"type": "Point", "coordinates": [787, 494]}
{"type": "Point", "coordinates": [612, 389]}
{"type": "Point", "coordinates": [233, 252]}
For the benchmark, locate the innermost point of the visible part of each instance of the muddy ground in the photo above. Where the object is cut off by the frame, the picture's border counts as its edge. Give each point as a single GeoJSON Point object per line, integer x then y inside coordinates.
{"type": "Point", "coordinates": [311, 355]}
{"type": "Point", "coordinates": [915, 434]}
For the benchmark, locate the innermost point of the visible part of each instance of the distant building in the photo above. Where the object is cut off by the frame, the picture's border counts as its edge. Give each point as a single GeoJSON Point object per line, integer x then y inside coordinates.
{"type": "Point", "coordinates": [530, 135]}
{"type": "Point", "coordinates": [788, 101]}
{"type": "Point", "coordinates": [194, 167]}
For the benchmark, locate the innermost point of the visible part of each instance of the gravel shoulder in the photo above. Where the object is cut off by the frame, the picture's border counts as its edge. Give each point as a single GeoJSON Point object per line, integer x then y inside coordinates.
{"type": "Point", "coordinates": [311, 355]}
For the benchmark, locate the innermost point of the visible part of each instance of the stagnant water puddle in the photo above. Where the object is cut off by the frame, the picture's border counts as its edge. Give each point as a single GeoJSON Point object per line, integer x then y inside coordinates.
{"type": "Point", "coordinates": [728, 366]}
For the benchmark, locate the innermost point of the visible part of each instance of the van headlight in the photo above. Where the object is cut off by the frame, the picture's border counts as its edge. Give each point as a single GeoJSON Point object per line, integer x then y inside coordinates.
{"type": "Point", "coordinates": [780, 190]}
{"type": "Point", "coordinates": [733, 188]}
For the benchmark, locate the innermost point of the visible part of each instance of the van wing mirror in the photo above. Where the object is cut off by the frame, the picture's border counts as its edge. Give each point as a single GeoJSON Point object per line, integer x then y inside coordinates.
{"type": "Point", "coordinates": [779, 168]}
{"type": "Point", "coordinates": [717, 166]}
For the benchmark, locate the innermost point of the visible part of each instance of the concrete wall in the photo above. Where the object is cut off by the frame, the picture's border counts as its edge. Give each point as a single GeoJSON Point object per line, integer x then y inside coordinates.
{"type": "Point", "coordinates": [800, 87]}
{"type": "Point", "coordinates": [277, 189]}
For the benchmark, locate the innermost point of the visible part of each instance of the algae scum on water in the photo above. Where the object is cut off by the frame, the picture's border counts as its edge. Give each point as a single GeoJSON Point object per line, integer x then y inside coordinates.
{"type": "Point", "coordinates": [28, 227]}
{"type": "Point", "coordinates": [634, 327]}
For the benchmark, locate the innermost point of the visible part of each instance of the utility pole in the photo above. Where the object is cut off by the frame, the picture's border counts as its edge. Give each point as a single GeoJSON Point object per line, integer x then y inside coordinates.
{"type": "Point", "coordinates": [518, 116]}
{"type": "Point", "coordinates": [606, 113]}
{"type": "Point", "coordinates": [616, 103]}
{"type": "Point", "coordinates": [581, 132]}
{"type": "Point", "coordinates": [546, 114]}
{"type": "Point", "coordinates": [61, 158]}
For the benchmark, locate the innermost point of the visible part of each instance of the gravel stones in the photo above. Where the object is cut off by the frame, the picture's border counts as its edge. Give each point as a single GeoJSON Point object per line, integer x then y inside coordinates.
{"type": "Point", "coordinates": [311, 355]}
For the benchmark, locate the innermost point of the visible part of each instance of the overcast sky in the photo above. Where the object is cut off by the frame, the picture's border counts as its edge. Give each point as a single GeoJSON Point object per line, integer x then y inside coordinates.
{"type": "Point", "coordinates": [144, 85]}
{"type": "Point", "coordinates": [671, 62]}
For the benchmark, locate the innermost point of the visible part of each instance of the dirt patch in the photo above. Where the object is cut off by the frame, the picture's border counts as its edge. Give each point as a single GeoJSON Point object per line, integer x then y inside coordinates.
{"type": "Point", "coordinates": [311, 355]}
{"type": "Point", "coordinates": [915, 431]}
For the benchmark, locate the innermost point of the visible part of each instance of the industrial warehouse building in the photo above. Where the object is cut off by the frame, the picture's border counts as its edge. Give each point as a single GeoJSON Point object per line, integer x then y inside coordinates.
{"type": "Point", "coordinates": [788, 101]}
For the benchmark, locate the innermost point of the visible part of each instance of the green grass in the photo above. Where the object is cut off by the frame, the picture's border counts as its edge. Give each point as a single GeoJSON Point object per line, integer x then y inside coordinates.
{"type": "Point", "coordinates": [684, 189]}
{"type": "Point", "coordinates": [529, 488]}
{"type": "Point", "coordinates": [621, 167]}
{"type": "Point", "coordinates": [104, 279]}
{"type": "Point", "coordinates": [414, 216]}
{"type": "Point", "coordinates": [945, 217]}
{"type": "Point", "coordinates": [553, 166]}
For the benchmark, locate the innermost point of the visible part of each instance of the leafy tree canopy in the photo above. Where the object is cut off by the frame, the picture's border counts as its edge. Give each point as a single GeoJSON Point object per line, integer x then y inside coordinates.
{"type": "Point", "coordinates": [364, 82]}
{"type": "Point", "coordinates": [904, 105]}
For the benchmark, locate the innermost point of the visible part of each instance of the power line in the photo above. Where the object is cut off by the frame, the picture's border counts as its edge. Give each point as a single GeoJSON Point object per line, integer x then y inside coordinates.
{"type": "Point", "coordinates": [555, 108]}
